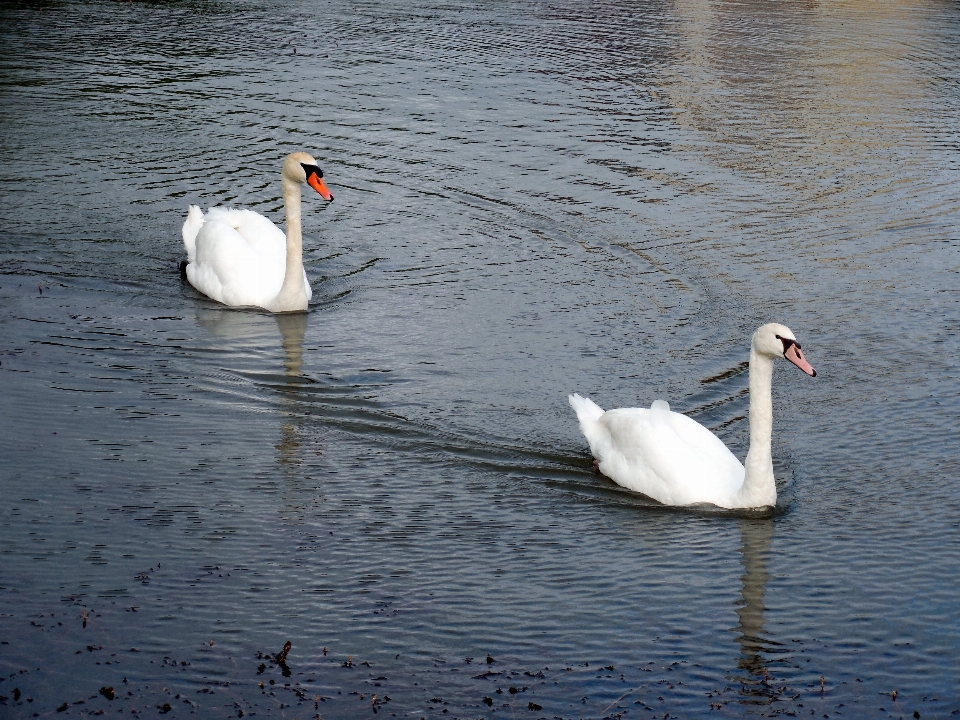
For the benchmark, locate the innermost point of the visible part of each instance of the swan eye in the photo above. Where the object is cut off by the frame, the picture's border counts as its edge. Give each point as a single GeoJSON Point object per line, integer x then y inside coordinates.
{"type": "Point", "coordinates": [309, 169]}
{"type": "Point", "coordinates": [787, 342]}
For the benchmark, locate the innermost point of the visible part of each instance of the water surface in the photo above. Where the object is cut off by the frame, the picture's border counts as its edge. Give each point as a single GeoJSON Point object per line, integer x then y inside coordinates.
{"type": "Point", "coordinates": [532, 198]}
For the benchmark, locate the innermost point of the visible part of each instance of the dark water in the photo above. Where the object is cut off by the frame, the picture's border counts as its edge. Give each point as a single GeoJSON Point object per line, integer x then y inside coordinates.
{"type": "Point", "coordinates": [532, 199]}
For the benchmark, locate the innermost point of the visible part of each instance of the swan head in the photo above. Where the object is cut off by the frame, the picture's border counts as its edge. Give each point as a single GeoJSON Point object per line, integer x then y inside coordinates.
{"type": "Point", "coordinates": [300, 167]}
{"type": "Point", "coordinates": [776, 340]}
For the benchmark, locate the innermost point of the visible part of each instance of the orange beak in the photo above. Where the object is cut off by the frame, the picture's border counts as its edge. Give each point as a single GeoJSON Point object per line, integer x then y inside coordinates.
{"type": "Point", "coordinates": [317, 184]}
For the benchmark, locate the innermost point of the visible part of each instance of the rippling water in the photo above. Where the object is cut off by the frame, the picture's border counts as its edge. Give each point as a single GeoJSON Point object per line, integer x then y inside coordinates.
{"type": "Point", "coordinates": [533, 198]}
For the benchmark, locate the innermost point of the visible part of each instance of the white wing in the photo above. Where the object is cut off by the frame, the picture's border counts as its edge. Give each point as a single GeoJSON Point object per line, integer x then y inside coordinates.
{"type": "Point", "coordinates": [666, 456]}
{"type": "Point", "coordinates": [260, 232]}
{"type": "Point", "coordinates": [239, 257]}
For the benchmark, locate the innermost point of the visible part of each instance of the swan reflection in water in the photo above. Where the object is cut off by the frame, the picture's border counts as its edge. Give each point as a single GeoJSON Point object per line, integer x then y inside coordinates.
{"type": "Point", "coordinates": [293, 328]}
{"type": "Point", "coordinates": [254, 332]}
{"type": "Point", "coordinates": [753, 676]}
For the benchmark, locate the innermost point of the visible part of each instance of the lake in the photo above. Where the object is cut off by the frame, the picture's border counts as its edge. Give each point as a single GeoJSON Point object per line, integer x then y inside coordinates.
{"type": "Point", "coordinates": [532, 199]}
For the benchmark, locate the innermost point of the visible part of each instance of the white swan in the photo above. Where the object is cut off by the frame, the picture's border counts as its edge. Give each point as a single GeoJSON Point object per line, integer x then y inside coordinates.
{"type": "Point", "coordinates": [674, 459]}
{"type": "Point", "coordinates": [240, 258]}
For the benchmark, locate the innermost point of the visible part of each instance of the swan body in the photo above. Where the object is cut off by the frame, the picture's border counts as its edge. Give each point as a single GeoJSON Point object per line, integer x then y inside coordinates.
{"type": "Point", "coordinates": [674, 459]}
{"type": "Point", "coordinates": [241, 259]}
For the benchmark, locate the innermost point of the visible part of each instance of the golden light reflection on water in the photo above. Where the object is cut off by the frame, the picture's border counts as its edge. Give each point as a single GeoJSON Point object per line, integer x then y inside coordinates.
{"type": "Point", "coordinates": [789, 91]}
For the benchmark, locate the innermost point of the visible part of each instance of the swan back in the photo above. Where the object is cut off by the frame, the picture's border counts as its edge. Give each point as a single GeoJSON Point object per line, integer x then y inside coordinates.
{"type": "Point", "coordinates": [260, 233]}
{"type": "Point", "coordinates": [669, 457]}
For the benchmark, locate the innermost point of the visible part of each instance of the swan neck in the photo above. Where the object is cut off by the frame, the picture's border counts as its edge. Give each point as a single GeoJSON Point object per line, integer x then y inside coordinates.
{"type": "Point", "coordinates": [293, 293]}
{"type": "Point", "coordinates": [759, 487]}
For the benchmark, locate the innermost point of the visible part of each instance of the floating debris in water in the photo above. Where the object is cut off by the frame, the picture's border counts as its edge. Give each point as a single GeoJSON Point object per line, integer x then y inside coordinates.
{"type": "Point", "coordinates": [139, 697]}
{"type": "Point", "coordinates": [282, 659]}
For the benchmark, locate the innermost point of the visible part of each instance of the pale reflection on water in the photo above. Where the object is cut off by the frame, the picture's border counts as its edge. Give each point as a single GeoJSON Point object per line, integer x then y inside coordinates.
{"type": "Point", "coordinates": [293, 328]}
{"type": "Point", "coordinates": [239, 328]}
{"type": "Point", "coordinates": [754, 645]}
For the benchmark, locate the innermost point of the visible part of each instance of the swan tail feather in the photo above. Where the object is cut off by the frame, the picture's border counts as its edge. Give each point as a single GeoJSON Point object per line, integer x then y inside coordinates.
{"type": "Point", "coordinates": [191, 226]}
{"type": "Point", "coordinates": [588, 413]}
